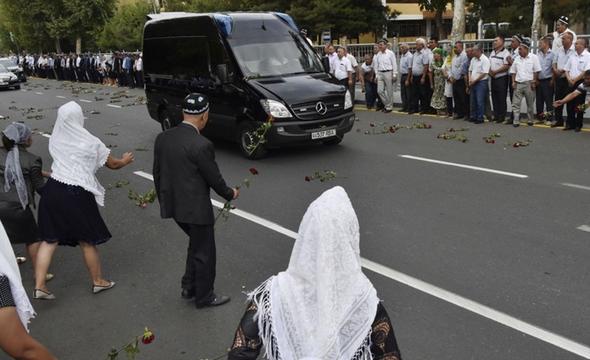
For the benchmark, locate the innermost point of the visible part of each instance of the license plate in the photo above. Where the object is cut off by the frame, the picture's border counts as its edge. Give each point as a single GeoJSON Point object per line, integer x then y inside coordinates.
{"type": "Point", "coordinates": [323, 134]}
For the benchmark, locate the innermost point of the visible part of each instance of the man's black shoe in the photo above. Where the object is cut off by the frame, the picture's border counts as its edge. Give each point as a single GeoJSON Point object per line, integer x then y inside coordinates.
{"type": "Point", "coordinates": [578, 129]}
{"type": "Point", "coordinates": [187, 294]}
{"type": "Point", "coordinates": [556, 124]}
{"type": "Point", "coordinates": [567, 128]}
{"type": "Point", "coordinates": [214, 300]}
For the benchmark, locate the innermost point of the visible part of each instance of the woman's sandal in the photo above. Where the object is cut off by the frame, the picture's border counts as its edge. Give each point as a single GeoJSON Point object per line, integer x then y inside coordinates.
{"type": "Point", "coordinates": [42, 295]}
{"type": "Point", "coordinates": [98, 288]}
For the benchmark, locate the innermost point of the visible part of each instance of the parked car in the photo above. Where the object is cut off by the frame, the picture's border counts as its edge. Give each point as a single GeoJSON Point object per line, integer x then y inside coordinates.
{"type": "Point", "coordinates": [8, 79]}
{"type": "Point", "coordinates": [14, 68]}
{"type": "Point", "coordinates": [252, 66]}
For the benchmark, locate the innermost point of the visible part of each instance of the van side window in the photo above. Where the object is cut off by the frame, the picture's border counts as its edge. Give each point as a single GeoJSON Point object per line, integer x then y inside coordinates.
{"type": "Point", "coordinates": [184, 57]}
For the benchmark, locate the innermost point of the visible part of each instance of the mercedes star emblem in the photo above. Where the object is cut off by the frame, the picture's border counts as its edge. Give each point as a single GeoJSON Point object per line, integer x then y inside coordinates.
{"type": "Point", "coordinates": [321, 108]}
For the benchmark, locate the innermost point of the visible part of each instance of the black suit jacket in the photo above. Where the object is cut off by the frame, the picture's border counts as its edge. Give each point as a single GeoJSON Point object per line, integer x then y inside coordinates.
{"type": "Point", "coordinates": [184, 171]}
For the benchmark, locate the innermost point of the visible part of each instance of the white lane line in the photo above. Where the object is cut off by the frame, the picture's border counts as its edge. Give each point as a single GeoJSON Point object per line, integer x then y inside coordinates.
{"type": "Point", "coordinates": [38, 93]}
{"type": "Point", "coordinates": [462, 302]}
{"type": "Point", "coordinates": [585, 228]}
{"type": "Point", "coordinates": [576, 186]}
{"type": "Point", "coordinates": [114, 106]}
{"type": "Point", "coordinates": [470, 167]}
{"type": "Point", "coordinates": [86, 101]}
{"type": "Point", "coordinates": [60, 97]}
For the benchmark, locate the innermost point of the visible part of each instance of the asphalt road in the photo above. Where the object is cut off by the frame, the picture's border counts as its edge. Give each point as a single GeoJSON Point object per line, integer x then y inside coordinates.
{"type": "Point", "coordinates": [502, 242]}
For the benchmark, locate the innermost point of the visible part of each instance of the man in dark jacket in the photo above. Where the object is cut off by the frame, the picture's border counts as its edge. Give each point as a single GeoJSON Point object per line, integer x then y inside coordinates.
{"type": "Point", "coordinates": [184, 171]}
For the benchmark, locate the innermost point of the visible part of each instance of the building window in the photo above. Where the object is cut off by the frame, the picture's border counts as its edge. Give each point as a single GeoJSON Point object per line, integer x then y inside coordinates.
{"type": "Point", "coordinates": [406, 28]}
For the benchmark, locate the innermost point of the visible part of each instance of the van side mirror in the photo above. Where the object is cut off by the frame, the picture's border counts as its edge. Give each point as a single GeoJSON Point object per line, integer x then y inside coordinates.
{"type": "Point", "coordinates": [222, 73]}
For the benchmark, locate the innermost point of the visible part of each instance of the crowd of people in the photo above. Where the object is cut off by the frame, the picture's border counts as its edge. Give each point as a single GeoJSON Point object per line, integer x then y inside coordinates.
{"type": "Point", "coordinates": [114, 69]}
{"type": "Point", "coordinates": [464, 83]}
{"type": "Point", "coordinates": [282, 311]}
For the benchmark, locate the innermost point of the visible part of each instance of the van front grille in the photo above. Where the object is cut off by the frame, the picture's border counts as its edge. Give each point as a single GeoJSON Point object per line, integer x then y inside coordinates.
{"type": "Point", "coordinates": [308, 110]}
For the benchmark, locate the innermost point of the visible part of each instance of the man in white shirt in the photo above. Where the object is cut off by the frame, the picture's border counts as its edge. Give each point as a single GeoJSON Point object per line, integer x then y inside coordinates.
{"type": "Point", "coordinates": [342, 68]}
{"type": "Point", "coordinates": [405, 69]}
{"type": "Point", "coordinates": [560, 60]}
{"type": "Point", "coordinates": [355, 72]}
{"type": "Point", "coordinates": [582, 91]}
{"type": "Point", "coordinates": [561, 28]}
{"type": "Point", "coordinates": [138, 67]}
{"type": "Point", "coordinates": [478, 83]}
{"type": "Point", "coordinates": [499, 66]}
{"type": "Point", "coordinates": [525, 76]}
{"type": "Point", "coordinates": [385, 66]}
{"type": "Point", "coordinates": [574, 71]}
{"type": "Point", "coordinates": [546, 81]}
{"type": "Point", "coordinates": [420, 81]}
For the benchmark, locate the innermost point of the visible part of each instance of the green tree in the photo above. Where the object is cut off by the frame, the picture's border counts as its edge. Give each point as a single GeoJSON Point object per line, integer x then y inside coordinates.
{"type": "Point", "coordinates": [124, 30]}
{"type": "Point", "coordinates": [438, 7]}
{"type": "Point", "coordinates": [85, 18]}
{"type": "Point", "coordinates": [341, 17]}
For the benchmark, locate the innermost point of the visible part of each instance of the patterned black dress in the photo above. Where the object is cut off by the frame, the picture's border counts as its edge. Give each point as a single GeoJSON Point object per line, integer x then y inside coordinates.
{"type": "Point", "coordinates": [6, 299]}
{"type": "Point", "coordinates": [247, 344]}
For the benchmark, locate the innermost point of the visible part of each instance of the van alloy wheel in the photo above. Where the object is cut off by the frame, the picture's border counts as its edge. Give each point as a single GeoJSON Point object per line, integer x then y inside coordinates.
{"type": "Point", "coordinates": [165, 120]}
{"type": "Point", "coordinates": [245, 139]}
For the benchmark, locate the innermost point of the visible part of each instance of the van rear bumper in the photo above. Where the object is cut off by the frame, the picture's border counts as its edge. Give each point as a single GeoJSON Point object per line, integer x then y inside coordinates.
{"type": "Point", "coordinates": [299, 132]}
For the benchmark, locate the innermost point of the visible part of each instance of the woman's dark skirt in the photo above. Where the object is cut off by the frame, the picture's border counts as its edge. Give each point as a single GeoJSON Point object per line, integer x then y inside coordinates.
{"type": "Point", "coordinates": [69, 215]}
{"type": "Point", "coordinates": [19, 223]}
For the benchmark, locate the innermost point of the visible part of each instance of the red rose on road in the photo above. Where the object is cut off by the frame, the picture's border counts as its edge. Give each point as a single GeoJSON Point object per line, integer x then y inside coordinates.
{"type": "Point", "coordinates": [148, 337]}
{"type": "Point", "coordinates": [307, 178]}
{"type": "Point", "coordinates": [253, 171]}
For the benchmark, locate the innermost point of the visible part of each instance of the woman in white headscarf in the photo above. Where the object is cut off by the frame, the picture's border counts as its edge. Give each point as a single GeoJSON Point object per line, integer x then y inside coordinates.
{"type": "Point", "coordinates": [322, 307]}
{"type": "Point", "coordinates": [21, 176]}
{"type": "Point", "coordinates": [15, 309]}
{"type": "Point", "coordinates": [68, 211]}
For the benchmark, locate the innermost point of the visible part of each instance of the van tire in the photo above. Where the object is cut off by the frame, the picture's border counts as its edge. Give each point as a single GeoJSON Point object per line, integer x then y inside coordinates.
{"type": "Point", "coordinates": [165, 120]}
{"type": "Point", "coordinates": [334, 141]}
{"type": "Point", "coordinates": [243, 140]}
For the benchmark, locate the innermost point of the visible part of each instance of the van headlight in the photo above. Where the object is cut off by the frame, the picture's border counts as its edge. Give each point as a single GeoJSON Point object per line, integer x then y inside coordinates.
{"type": "Point", "coordinates": [275, 109]}
{"type": "Point", "coordinates": [347, 100]}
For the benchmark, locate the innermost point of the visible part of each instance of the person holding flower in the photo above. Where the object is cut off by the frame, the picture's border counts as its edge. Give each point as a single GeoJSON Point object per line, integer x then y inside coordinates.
{"type": "Point", "coordinates": [184, 172]}
{"type": "Point", "coordinates": [582, 90]}
{"type": "Point", "coordinates": [68, 211]}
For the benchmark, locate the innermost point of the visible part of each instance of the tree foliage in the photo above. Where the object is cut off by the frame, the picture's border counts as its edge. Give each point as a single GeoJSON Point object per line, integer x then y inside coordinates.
{"type": "Point", "coordinates": [38, 25]}
{"type": "Point", "coordinates": [438, 7]}
{"type": "Point", "coordinates": [124, 30]}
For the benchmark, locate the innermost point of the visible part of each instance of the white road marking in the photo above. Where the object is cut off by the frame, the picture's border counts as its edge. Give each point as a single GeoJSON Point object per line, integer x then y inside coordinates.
{"type": "Point", "coordinates": [61, 97]}
{"type": "Point", "coordinates": [582, 187]}
{"type": "Point", "coordinates": [585, 228]}
{"type": "Point", "coordinates": [114, 106]}
{"type": "Point", "coordinates": [470, 167]}
{"type": "Point", "coordinates": [86, 101]}
{"type": "Point", "coordinates": [38, 93]}
{"type": "Point", "coordinates": [458, 300]}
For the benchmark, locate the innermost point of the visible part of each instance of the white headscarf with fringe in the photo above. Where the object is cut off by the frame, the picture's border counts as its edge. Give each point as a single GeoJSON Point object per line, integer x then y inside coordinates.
{"type": "Point", "coordinates": [322, 306]}
{"type": "Point", "coordinates": [76, 153]}
{"type": "Point", "coordinates": [9, 268]}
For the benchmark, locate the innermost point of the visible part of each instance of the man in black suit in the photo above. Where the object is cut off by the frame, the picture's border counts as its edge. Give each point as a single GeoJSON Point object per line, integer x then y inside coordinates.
{"type": "Point", "coordinates": [184, 171]}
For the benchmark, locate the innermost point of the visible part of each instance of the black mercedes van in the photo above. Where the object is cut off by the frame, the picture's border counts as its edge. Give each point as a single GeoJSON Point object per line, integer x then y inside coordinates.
{"type": "Point", "coordinates": [252, 66]}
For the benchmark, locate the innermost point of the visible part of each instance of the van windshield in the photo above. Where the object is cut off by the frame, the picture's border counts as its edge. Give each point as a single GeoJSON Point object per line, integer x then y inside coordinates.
{"type": "Point", "coordinates": [275, 56]}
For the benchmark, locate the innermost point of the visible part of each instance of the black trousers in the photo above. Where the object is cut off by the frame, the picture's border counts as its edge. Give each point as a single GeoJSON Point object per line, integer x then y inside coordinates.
{"type": "Point", "coordinates": [575, 119]}
{"type": "Point", "coordinates": [499, 97]}
{"type": "Point", "coordinates": [405, 91]}
{"type": "Point", "coordinates": [544, 96]}
{"type": "Point", "coordinates": [420, 95]}
{"type": "Point", "coordinates": [562, 88]}
{"type": "Point", "coordinates": [199, 274]}
{"type": "Point", "coordinates": [461, 98]}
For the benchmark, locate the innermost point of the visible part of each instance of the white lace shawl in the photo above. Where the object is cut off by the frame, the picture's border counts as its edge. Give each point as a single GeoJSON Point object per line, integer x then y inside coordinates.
{"type": "Point", "coordinates": [322, 306]}
{"type": "Point", "coordinates": [76, 153]}
{"type": "Point", "coordinates": [9, 268]}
